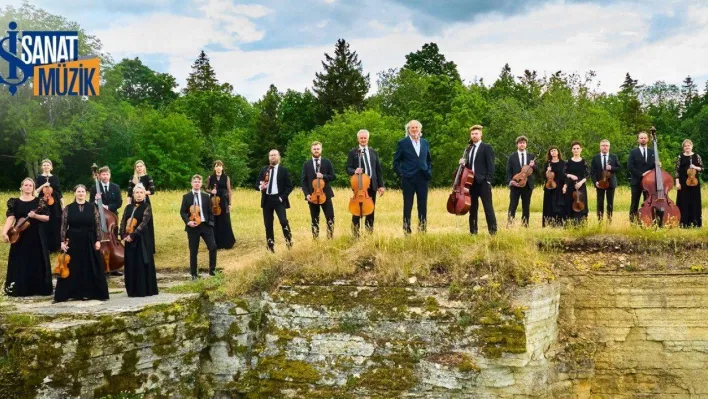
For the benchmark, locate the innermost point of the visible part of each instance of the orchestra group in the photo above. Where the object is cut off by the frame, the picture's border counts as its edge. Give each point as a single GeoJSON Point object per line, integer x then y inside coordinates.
{"type": "Point", "coordinates": [93, 242]}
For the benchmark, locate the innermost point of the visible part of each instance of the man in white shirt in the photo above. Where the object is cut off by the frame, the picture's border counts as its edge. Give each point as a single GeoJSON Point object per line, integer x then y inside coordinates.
{"type": "Point", "coordinates": [202, 227]}
{"type": "Point", "coordinates": [275, 185]}
{"type": "Point", "coordinates": [514, 166]}
{"type": "Point", "coordinates": [413, 164]}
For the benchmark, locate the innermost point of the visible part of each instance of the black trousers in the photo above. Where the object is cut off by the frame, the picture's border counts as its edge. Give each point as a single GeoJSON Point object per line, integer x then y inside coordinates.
{"type": "Point", "coordinates": [525, 194]}
{"type": "Point", "coordinates": [415, 186]}
{"type": "Point", "coordinates": [369, 219]}
{"type": "Point", "coordinates": [273, 204]}
{"type": "Point", "coordinates": [205, 232]}
{"type": "Point", "coordinates": [601, 194]}
{"type": "Point", "coordinates": [483, 190]}
{"type": "Point", "coordinates": [637, 191]}
{"type": "Point", "coordinates": [328, 210]}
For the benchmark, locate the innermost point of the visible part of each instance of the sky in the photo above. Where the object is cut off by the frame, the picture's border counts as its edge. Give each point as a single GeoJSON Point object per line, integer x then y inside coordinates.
{"type": "Point", "coordinates": [253, 44]}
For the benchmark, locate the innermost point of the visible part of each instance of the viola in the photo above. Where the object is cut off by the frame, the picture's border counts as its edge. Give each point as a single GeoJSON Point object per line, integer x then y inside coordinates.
{"type": "Point", "coordinates": [578, 201]}
{"type": "Point", "coordinates": [22, 224]}
{"type": "Point", "coordinates": [132, 223]}
{"type": "Point", "coordinates": [522, 177]}
{"type": "Point", "coordinates": [194, 215]}
{"type": "Point", "coordinates": [63, 259]}
{"type": "Point", "coordinates": [216, 204]}
{"type": "Point", "coordinates": [604, 182]}
{"type": "Point", "coordinates": [658, 209]}
{"type": "Point", "coordinates": [112, 249]}
{"type": "Point", "coordinates": [361, 204]}
{"type": "Point", "coordinates": [550, 179]}
{"type": "Point", "coordinates": [266, 178]}
{"type": "Point", "coordinates": [47, 194]}
{"type": "Point", "coordinates": [691, 179]}
{"type": "Point", "coordinates": [460, 200]}
{"type": "Point", "coordinates": [318, 197]}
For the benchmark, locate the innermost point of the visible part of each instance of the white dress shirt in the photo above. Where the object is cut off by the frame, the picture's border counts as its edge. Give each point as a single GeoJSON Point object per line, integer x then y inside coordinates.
{"type": "Point", "coordinates": [367, 164]}
{"type": "Point", "coordinates": [274, 179]}
{"type": "Point", "coordinates": [416, 145]}
{"type": "Point", "coordinates": [526, 158]}
{"type": "Point", "coordinates": [473, 154]}
{"type": "Point", "coordinates": [198, 202]}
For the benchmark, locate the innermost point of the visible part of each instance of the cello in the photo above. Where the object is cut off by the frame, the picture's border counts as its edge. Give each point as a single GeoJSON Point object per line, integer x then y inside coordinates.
{"type": "Point", "coordinates": [460, 201]}
{"type": "Point", "coordinates": [112, 250]}
{"type": "Point", "coordinates": [658, 208]}
{"type": "Point", "coordinates": [361, 204]}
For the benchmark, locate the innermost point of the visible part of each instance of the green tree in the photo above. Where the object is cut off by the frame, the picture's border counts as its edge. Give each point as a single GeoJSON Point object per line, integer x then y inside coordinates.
{"type": "Point", "coordinates": [203, 78]}
{"type": "Point", "coordinates": [265, 135]}
{"type": "Point", "coordinates": [298, 112]}
{"type": "Point", "coordinates": [140, 85]}
{"type": "Point", "coordinates": [429, 61]}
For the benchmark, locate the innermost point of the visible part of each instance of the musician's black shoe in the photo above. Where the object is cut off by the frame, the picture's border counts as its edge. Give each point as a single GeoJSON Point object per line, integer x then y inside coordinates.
{"type": "Point", "coordinates": [194, 277]}
{"type": "Point", "coordinates": [116, 273]}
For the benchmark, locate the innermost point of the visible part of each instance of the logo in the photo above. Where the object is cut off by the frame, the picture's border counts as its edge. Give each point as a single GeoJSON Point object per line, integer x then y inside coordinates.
{"type": "Point", "coordinates": [50, 61]}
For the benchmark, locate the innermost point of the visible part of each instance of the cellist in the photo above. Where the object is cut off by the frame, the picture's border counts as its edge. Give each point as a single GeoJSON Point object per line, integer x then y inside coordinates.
{"type": "Point", "coordinates": [481, 161]}
{"type": "Point", "coordinates": [372, 167]}
{"type": "Point", "coordinates": [313, 169]}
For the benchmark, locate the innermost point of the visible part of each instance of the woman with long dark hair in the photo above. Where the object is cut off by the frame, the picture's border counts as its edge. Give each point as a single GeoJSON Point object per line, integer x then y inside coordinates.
{"type": "Point", "coordinates": [219, 185]}
{"type": "Point", "coordinates": [553, 199]}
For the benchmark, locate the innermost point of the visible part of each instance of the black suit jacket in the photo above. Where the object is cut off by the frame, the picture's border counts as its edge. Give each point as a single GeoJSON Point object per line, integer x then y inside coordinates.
{"type": "Point", "coordinates": [637, 166]}
{"type": "Point", "coordinates": [309, 175]}
{"type": "Point", "coordinates": [483, 163]}
{"type": "Point", "coordinates": [513, 166]}
{"type": "Point", "coordinates": [596, 168]}
{"type": "Point", "coordinates": [285, 185]}
{"type": "Point", "coordinates": [407, 163]}
{"type": "Point", "coordinates": [188, 200]}
{"type": "Point", "coordinates": [112, 199]}
{"type": "Point", "coordinates": [376, 175]}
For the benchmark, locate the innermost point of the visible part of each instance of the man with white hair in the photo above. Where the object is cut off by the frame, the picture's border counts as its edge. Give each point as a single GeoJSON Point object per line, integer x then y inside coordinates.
{"type": "Point", "coordinates": [413, 165]}
{"type": "Point", "coordinates": [363, 159]}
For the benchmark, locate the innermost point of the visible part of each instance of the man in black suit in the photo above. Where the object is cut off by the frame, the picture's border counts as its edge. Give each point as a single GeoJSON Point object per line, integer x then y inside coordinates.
{"type": "Point", "coordinates": [609, 162]}
{"type": "Point", "coordinates": [110, 192]}
{"type": "Point", "coordinates": [205, 229]}
{"type": "Point", "coordinates": [319, 168]}
{"type": "Point", "coordinates": [274, 198]}
{"type": "Point", "coordinates": [481, 160]}
{"type": "Point", "coordinates": [516, 161]}
{"type": "Point", "coordinates": [370, 165]}
{"type": "Point", "coordinates": [640, 162]}
{"type": "Point", "coordinates": [413, 165]}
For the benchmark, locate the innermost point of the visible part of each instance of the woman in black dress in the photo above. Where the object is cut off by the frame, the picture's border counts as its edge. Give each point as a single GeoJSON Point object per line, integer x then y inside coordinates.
{"type": "Point", "coordinates": [52, 229]}
{"type": "Point", "coordinates": [140, 176]}
{"type": "Point", "coordinates": [28, 268]}
{"type": "Point", "coordinates": [553, 200]}
{"type": "Point", "coordinates": [81, 226]}
{"type": "Point", "coordinates": [219, 184]}
{"type": "Point", "coordinates": [140, 276]}
{"type": "Point", "coordinates": [688, 198]}
{"type": "Point", "coordinates": [577, 173]}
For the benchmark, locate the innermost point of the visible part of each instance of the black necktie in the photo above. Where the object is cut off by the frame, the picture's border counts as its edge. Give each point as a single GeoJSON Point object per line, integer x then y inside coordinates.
{"type": "Point", "coordinates": [317, 165]}
{"type": "Point", "coordinates": [644, 154]}
{"type": "Point", "coordinates": [474, 147]}
{"type": "Point", "coordinates": [105, 189]}
{"type": "Point", "coordinates": [523, 159]}
{"type": "Point", "coordinates": [270, 181]}
{"type": "Point", "coordinates": [604, 161]}
{"type": "Point", "coordinates": [196, 198]}
{"type": "Point", "coordinates": [366, 164]}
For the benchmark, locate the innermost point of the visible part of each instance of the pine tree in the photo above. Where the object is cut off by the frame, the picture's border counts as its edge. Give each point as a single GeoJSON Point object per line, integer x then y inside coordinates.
{"type": "Point", "coordinates": [505, 85]}
{"type": "Point", "coordinates": [689, 91]}
{"type": "Point", "coordinates": [429, 61]}
{"type": "Point", "coordinates": [202, 77]}
{"type": "Point", "coordinates": [266, 134]}
{"type": "Point", "coordinates": [629, 85]}
{"type": "Point", "coordinates": [342, 84]}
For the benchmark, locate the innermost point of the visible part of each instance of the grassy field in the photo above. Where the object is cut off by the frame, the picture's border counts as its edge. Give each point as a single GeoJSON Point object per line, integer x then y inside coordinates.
{"type": "Point", "coordinates": [443, 230]}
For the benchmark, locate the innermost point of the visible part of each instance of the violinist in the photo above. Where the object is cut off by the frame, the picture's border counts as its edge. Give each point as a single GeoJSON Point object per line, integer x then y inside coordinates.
{"type": "Point", "coordinates": [413, 165]}
{"type": "Point", "coordinates": [140, 176]}
{"type": "Point", "coordinates": [313, 169]}
{"type": "Point", "coordinates": [640, 162]}
{"type": "Point", "coordinates": [514, 166]}
{"type": "Point", "coordinates": [603, 170]}
{"type": "Point", "coordinates": [219, 185]}
{"type": "Point", "coordinates": [198, 223]}
{"type": "Point", "coordinates": [81, 225]}
{"type": "Point", "coordinates": [553, 200]}
{"type": "Point", "coordinates": [688, 197]}
{"type": "Point", "coordinates": [275, 189]}
{"type": "Point", "coordinates": [371, 166]}
{"type": "Point", "coordinates": [140, 276]}
{"type": "Point", "coordinates": [28, 268]}
{"type": "Point", "coordinates": [481, 161]}
{"type": "Point", "coordinates": [49, 183]}
{"type": "Point", "coordinates": [575, 190]}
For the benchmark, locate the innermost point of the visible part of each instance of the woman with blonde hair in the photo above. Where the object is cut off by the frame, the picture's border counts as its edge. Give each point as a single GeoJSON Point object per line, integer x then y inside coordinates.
{"type": "Point", "coordinates": [688, 198]}
{"type": "Point", "coordinates": [52, 229]}
{"type": "Point", "coordinates": [140, 276]}
{"type": "Point", "coordinates": [140, 176]}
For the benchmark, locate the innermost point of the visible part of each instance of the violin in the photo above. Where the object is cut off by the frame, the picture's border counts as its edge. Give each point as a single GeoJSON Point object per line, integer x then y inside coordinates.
{"type": "Point", "coordinates": [63, 260]}
{"type": "Point", "coordinates": [112, 250]}
{"type": "Point", "coordinates": [194, 215]}
{"type": "Point", "coordinates": [522, 177]}
{"type": "Point", "coordinates": [460, 201]}
{"type": "Point", "coordinates": [361, 204]}
{"type": "Point", "coordinates": [47, 194]}
{"type": "Point", "coordinates": [266, 178]}
{"type": "Point", "coordinates": [132, 222]}
{"type": "Point", "coordinates": [22, 224]}
{"type": "Point", "coordinates": [550, 179]}
{"type": "Point", "coordinates": [318, 197]}
{"type": "Point", "coordinates": [658, 209]}
{"type": "Point", "coordinates": [216, 204]}
{"type": "Point", "coordinates": [691, 180]}
{"type": "Point", "coordinates": [604, 182]}
{"type": "Point", "coordinates": [578, 201]}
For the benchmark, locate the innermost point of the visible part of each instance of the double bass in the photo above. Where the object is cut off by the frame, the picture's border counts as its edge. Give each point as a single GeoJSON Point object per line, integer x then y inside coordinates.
{"type": "Point", "coordinates": [460, 201]}
{"type": "Point", "coordinates": [361, 204]}
{"type": "Point", "coordinates": [112, 250]}
{"type": "Point", "coordinates": [658, 208]}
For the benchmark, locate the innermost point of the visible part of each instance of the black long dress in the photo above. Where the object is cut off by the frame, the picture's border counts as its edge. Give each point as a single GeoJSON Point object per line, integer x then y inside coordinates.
{"type": "Point", "coordinates": [87, 279]}
{"type": "Point", "coordinates": [553, 200]}
{"type": "Point", "coordinates": [223, 231]}
{"type": "Point", "coordinates": [139, 273]}
{"type": "Point", "coordinates": [581, 170]}
{"type": "Point", "coordinates": [149, 185]}
{"type": "Point", "coordinates": [53, 226]}
{"type": "Point", "coordinates": [688, 199]}
{"type": "Point", "coordinates": [28, 267]}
